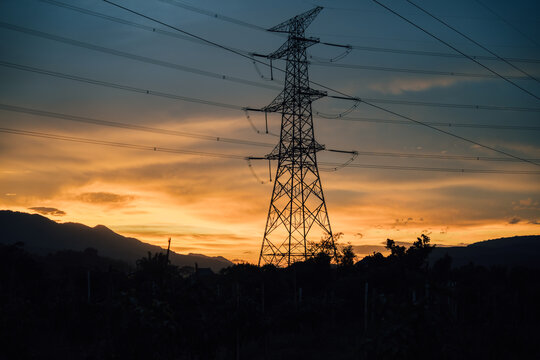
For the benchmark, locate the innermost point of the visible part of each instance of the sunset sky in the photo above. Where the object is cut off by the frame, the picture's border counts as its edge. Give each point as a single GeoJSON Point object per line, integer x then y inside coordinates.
{"type": "Point", "coordinates": [216, 206]}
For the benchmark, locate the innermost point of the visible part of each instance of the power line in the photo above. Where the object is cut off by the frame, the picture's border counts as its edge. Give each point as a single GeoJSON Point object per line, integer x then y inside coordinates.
{"type": "Point", "coordinates": [451, 134]}
{"type": "Point", "coordinates": [508, 23]}
{"type": "Point", "coordinates": [443, 105]}
{"type": "Point", "coordinates": [236, 107]}
{"type": "Point", "coordinates": [349, 47]}
{"type": "Point", "coordinates": [226, 77]}
{"type": "Point", "coordinates": [437, 169]}
{"type": "Point", "coordinates": [214, 15]}
{"type": "Point", "coordinates": [239, 157]}
{"type": "Point", "coordinates": [125, 22]}
{"type": "Point", "coordinates": [412, 71]}
{"type": "Point", "coordinates": [356, 47]}
{"type": "Point", "coordinates": [37, 112]}
{"type": "Point", "coordinates": [260, 28]}
{"type": "Point", "coordinates": [434, 53]}
{"type": "Point", "coordinates": [455, 49]}
{"type": "Point", "coordinates": [118, 86]}
{"type": "Point", "coordinates": [134, 57]}
{"type": "Point", "coordinates": [213, 43]}
{"type": "Point", "coordinates": [471, 40]}
{"type": "Point", "coordinates": [436, 156]}
{"type": "Point", "coordinates": [120, 125]}
{"type": "Point", "coordinates": [434, 123]}
{"type": "Point", "coordinates": [228, 105]}
{"type": "Point", "coordinates": [346, 96]}
{"type": "Point", "coordinates": [118, 144]}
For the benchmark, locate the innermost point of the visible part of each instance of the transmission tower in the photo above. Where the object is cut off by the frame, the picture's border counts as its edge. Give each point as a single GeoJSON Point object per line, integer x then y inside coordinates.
{"type": "Point", "coordinates": [297, 207]}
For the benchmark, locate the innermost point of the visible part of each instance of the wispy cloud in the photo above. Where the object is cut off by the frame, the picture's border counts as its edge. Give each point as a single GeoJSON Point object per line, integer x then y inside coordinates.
{"type": "Point", "coordinates": [104, 198]}
{"type": "Point", "coordinates": [397, 86]}
{"type": "Point", "coordinates": [48, 211]}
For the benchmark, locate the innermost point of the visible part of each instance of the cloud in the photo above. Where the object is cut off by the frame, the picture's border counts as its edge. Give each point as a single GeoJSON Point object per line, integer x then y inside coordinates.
{"type": "Point", "coordinates": [402, 222]}
{"type": "Point", "coordinates": [526, 202]}
{"type": "Point", "coordinates": [399, 86]}
{"type": "Point", "coordinates": [104, 198]}
{"type": "Point", "coordinates": [534, 222]}
{"type": "Point", "coordinates": [514, 220]}
{"type": "Point", "coordinates": [48, 211]}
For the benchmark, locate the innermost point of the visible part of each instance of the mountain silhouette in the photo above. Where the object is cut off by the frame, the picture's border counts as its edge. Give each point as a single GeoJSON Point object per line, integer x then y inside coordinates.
{"type": "Point", "coordinates": [510, 251]}
{"type": "Point", "coordinates": [42, 236]}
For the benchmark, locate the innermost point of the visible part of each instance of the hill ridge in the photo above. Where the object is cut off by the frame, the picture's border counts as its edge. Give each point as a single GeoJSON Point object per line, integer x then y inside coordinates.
{"type": "Point", "coordinates": [42, 235]}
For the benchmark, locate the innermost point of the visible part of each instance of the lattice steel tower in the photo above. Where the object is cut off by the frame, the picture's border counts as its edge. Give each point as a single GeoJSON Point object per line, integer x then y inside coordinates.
{"type": "Point", "coordinates": [297, 207]}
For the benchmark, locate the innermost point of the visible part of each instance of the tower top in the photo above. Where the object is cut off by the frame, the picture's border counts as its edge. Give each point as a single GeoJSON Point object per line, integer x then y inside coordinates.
{"type": "Point", "coordinates": [292, 25]}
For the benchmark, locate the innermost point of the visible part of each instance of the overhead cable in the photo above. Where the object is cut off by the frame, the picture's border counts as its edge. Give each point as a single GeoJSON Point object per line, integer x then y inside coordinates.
{"type": "Point", "coordinates": [214, 15]}
{"type": "Point", "coordinates": [126, 22]}
{"type": "Point", "coordinates": [356, 47]}
{"type": "Point", "coordinates": [447, 132]}
{"type": "Point", "coordinates": [435, 156]}
{"type": "Point", "coordinates": [118, 86]}
{"type": "Point", "coordinates": [175, 66]}
{"type": "Point", "coordinates": [438, 54]}
{"type": "Point", "coordinates": [508, 23]}
{"type": "Point", "coordinates": [438, 104]}
{"type": "Point", "coordinates": [413, 71]}
{"type": "Point", "coordinates": [118, 144]}
{"type": "Point", "coordinates": [471, 40]}
{"type": "Point", "coordinates": [135, 57]}
{"type": "Point", "coordinates": [437, 169]}
{"type": "Point", "coordinates": [232, 20]}
{"type": "Point", "coordinates": [239, 157]}
{"type": "Point", "coordinates": [236, 107]}
{"type": "Point", "coordinates": [434, 123]}
{"type": "Point", "coordinates": [83, 119]}
{"type": "Point", "coordinates": [325, 87]}
{"type": "Point", "coordinates": [455, 49]}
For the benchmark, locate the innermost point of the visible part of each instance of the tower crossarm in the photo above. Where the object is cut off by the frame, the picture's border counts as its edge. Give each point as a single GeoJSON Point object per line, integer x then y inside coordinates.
{"type": "Point", "coordinates": [287, 152]}
{"type": "Point", "coordinates": [277, 104]}
{"type": "Point", "coordinates": [312, 93]}
{"type": "Point", "coordinates": [291, 45]}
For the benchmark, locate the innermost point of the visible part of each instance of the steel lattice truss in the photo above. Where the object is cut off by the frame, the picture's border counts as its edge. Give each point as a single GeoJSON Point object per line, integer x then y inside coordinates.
{"type": "Point", "coordinates": [297, 207]}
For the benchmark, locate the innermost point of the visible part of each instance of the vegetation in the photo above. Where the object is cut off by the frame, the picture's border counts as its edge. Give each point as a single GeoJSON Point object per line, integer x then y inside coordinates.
{"type": "Point", "coordinates": [82, 306]}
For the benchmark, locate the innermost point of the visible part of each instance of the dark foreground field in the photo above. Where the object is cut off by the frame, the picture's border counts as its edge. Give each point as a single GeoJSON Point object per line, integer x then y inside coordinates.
{"type": "Point", "coordinates": [78, 305]}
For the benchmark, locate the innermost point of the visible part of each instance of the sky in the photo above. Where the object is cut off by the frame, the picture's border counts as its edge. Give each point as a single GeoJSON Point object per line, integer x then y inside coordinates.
{"type": "Point", "coordinates": [93, 61]}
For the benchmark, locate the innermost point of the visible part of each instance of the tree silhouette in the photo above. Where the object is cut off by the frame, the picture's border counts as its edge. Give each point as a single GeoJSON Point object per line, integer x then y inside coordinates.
{"type": "Point", "coordinates": [347, 256]}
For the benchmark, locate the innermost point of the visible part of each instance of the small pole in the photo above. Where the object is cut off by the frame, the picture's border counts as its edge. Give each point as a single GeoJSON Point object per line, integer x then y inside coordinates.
{"type": "Point", "coordinates": [262, 298]}
{"type": "Point", "coordinates": [271, 70]}
{"type": "Point", "coordinates": [365, 306]}
{"type": "Point", "coordinates": [294, 291]}
{"type": "Point", "coordinates": [270, 170]}
{"type": "Point", "coordinates": [168, 250]}
{"type": "Point", "coordinates": [237, 321]}
{"type": "Point", "coordinates": [266, 120]}
{"type": "Point", "coordinates": [88, 285]}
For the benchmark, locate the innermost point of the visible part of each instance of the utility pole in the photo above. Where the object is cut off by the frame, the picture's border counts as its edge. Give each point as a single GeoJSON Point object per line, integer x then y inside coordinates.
{"type": "Point", "coordinates": [297, 207]}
